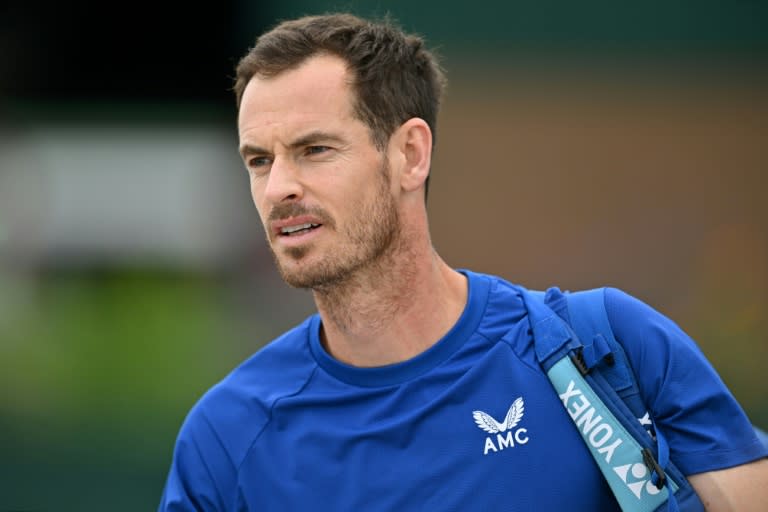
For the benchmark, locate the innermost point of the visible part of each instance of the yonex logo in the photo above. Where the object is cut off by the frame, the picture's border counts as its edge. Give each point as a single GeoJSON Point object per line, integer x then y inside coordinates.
{"type": "Point", "coordinates": [639, 474]}
{"type": "Point", "coordinates": [613, 448]}
{"type": "Point", "coordinates": [594, 428]}
{"type": "Point", "coordinates": [488, 423]}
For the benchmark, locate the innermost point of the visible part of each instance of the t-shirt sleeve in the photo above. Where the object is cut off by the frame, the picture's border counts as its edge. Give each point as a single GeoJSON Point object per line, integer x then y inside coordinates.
{"type": "Point", "coordinates": [200, 469]}
{"type": "Point", "coordinates": [703, 423]}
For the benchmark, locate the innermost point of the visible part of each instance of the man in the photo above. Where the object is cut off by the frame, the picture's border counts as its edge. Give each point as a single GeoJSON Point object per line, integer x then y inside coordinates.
{"type": "Point", "coordinates": [375, 402]}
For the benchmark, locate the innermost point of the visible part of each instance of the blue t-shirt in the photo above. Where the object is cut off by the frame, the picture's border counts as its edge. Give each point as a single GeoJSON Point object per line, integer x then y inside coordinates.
{"type": "Point", "coordinates": [294, 429]}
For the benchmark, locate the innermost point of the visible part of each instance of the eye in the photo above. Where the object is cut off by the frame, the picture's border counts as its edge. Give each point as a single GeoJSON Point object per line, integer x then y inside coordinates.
{"type": "Point", "coordinates": [258, 161]}
{"type": "Point", "coordinates": [317, 150]}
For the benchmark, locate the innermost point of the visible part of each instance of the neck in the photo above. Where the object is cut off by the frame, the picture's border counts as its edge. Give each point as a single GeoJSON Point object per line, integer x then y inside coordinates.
{"type": "Point", "coordinates": [393, 309]}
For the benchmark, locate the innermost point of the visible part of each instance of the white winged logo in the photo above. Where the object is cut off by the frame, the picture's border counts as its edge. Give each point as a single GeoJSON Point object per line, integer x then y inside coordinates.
{"type": "Point", "coordinates": [514, 415]}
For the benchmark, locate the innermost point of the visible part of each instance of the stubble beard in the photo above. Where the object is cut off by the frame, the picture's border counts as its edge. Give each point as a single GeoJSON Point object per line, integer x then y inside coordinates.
{"type": "Point", "coordinates": [373, 234]}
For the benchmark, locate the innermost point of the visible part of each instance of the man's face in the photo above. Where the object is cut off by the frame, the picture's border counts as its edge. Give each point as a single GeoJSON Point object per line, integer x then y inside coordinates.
{"type": "Point", "coordinates": [321, 187]}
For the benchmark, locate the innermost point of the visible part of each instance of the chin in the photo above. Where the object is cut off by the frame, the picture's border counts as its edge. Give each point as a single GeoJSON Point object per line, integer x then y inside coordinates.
{"type": "Point", "coordinates": [313, 275]}
{"type": "Point", "coordinates": [300, 274]}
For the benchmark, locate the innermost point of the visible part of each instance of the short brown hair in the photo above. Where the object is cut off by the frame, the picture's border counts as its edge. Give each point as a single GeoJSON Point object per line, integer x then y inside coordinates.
{"type": "Point", "coordinates": [395, 76]}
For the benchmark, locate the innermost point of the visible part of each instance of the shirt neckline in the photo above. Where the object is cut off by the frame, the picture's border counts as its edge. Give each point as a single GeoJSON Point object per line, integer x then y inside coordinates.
{"type": "Point", "coordinates": [477, 297]}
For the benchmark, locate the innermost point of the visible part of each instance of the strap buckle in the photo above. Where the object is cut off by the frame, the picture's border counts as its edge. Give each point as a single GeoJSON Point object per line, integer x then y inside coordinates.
{"type": "Point", "coordinates": [650, 462]}
{"type": "Point", "coordinates": [578, 361]}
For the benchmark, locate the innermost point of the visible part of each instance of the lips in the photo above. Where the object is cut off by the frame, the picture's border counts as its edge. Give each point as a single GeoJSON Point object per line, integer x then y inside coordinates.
{"type": "Point", "coordinates": [295, 226]}
{"type": "Point", "coordinates": [299, 229]}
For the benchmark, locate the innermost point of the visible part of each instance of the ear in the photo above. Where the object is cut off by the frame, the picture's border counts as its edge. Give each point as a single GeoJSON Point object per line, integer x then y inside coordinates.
{"type": "Point", "coordinates": [413, 146]}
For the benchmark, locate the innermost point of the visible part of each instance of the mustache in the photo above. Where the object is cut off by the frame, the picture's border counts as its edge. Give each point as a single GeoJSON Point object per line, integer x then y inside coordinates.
{"type": "Point", "coordinates": [286, 210]}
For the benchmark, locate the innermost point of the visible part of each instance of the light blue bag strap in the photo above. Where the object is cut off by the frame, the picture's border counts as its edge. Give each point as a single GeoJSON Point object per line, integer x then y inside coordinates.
{"type": "Point", "coordinates": [589, 319]}
{"type": "Point", "coordinates": [622, 460]}
{"type": "Point", "coordinates": [628, 466]}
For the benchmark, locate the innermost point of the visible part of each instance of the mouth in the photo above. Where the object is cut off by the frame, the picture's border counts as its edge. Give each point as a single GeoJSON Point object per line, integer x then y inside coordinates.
{"type": "Point", "coordinates": [297, 229]}
{"type": "Point", "coordinates": [295, 226]}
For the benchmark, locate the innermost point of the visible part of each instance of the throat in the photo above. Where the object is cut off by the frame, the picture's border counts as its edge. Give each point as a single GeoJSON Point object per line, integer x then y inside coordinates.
{"type": "Point", "coordinates": [367, 318]}
{"type": "Point", "coordinates": [354, 308]}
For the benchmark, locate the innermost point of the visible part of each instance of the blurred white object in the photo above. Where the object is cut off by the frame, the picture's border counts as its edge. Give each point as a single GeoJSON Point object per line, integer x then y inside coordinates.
{"type": "Point", "coordinates": [83, 194]}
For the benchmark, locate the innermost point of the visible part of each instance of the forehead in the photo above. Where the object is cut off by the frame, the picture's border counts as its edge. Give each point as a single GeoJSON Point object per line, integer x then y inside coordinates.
{"type": "Point", "coordinates": [318, 90]}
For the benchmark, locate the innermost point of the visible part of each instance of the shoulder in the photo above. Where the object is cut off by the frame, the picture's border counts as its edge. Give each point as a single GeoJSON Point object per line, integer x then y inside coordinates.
{"type": "Point", "coordinates": [656, 345]}
{"type": "Point", "coordinates": [499, 299]}
{"type": "Point", "coordinates": [247, 395]}
{"type": "Point", "coordinates": [665, 359]}
{"type": "Point", "coordinates": [626, 311]}
{"type": "Point", "coordinates": [222, 426]}
{"type": "Point", "coordinates": [706, 427]}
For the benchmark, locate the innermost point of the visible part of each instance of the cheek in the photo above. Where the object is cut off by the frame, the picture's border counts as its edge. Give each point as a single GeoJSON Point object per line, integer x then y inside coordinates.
{"type": "Point", "coordinates": [257, 195]}
{"type": "Point", "coordinates": [257, 192]}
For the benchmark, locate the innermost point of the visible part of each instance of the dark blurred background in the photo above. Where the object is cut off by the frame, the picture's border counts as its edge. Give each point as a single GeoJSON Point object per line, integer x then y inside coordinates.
{"type": "Point", "coordinates": [580, 144]}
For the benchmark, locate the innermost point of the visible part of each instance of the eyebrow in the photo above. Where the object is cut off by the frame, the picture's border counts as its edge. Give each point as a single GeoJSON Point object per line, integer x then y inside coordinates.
{"type": "Point", "coordinates": [314, 138]}
{"type": "Point", "coordinates": [305, 140]}
{"type": "Point", "coordinates": [249, 149]}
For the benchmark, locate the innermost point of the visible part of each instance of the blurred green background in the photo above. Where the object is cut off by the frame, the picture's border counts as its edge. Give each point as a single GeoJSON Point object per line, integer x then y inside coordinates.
{"type": "Point", "coordinates": [579, 145]}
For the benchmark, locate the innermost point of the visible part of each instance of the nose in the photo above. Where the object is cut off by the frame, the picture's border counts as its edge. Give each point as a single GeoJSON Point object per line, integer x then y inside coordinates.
{"type": "Point", "coordinates": [283, 182]}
